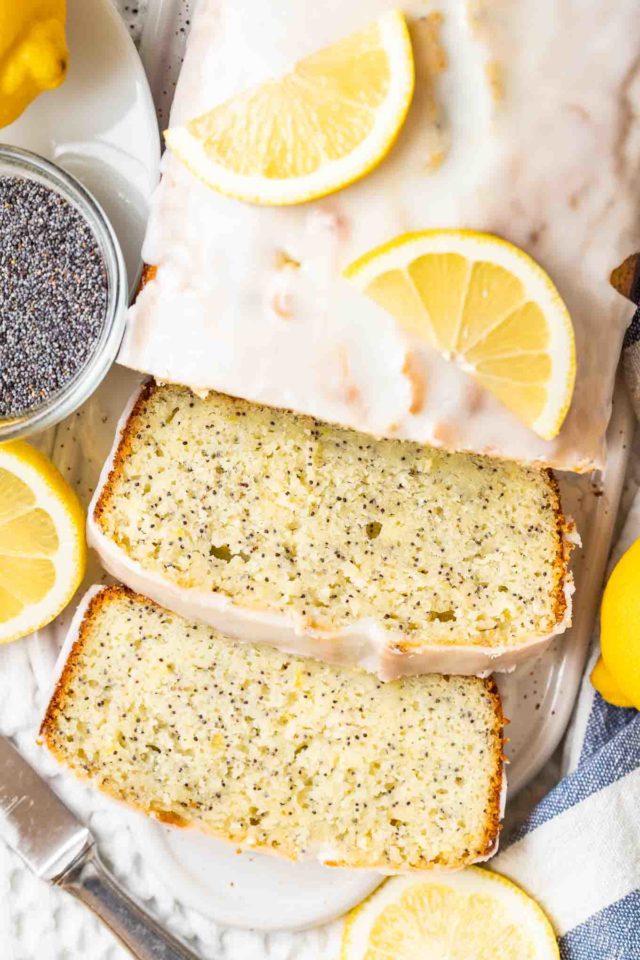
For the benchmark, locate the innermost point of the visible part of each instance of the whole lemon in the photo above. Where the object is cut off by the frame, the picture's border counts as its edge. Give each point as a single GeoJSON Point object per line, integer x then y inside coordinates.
{"type": "Point", "coordinates": [617, 673]}
{"type": "Point", "coordinates": [33, 52]}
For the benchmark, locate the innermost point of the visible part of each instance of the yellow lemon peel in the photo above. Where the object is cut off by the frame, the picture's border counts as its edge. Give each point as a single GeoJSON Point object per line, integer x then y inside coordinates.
{"type": "Point", "coordinates": [33, 52]}
{"type": "Point", "coordinates": [616, 675]}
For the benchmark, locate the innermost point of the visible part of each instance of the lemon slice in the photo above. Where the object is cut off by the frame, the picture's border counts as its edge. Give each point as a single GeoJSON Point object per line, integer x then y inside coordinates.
{"type": "Point", "coordinates": [470, 915]}
{"type": "Point", "coordinates": [488, 307]}
{"type": "Point", "coordinates": [316, 129]}
{"type": "Point", "coordinates": [42, 545]}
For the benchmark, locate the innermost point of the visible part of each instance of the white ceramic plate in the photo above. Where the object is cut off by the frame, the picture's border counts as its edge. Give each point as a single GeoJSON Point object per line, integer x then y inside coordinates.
{"type": "Point", "coordinates": [250, 890]}
{"type": "Point", "coordinates": [256, 891]}
{"type": "Point", "coordinates": [240, 888]}
{"type": "Point", "coordinates": [100, 125]}
{"type": "Point", "coordinates": [264, 893]}
{"type": "Point", "coordinates": [538, 697]}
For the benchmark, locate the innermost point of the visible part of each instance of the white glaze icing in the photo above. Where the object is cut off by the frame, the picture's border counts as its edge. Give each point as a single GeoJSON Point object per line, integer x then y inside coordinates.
{"type": "Point", "coordinates": [532, 122]}
{"type": "Point", "coordinates": [364, 643]}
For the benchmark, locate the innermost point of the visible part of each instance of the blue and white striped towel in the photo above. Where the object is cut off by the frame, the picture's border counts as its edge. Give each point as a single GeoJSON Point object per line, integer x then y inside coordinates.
{"type": "Point", "coordinates": [578, 853]}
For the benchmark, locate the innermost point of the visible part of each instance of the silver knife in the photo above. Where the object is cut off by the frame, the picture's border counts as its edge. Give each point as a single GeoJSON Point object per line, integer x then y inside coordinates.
{"type": "Point", "coordinates": [60, 849]}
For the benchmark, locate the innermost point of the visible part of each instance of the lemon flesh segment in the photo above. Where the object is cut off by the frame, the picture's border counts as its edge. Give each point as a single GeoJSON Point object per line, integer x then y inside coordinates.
{"type": "Point", "coordinates": [485, 305]}
{"type": "Point", "coordinates": [312, 131]}
{"type": "Point", "coordinates": [42, 545]}
{"type": "Point", "coordinates": [473, 914]}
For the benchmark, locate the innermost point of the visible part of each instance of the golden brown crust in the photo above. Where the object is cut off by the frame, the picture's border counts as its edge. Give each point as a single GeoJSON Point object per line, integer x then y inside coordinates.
{"type": "Point", "coordinates": [69, 669]}
{"type": "Point", "coordinates": [148, 274]}
{"type": "Point", "coordinates": [56, 706]}
{"type": "Point", "coordinates": [124, 447]}
{"type": "Point", "coordinates": [494, 812]}
{"type": "Point", "coordinates": [564, 546]}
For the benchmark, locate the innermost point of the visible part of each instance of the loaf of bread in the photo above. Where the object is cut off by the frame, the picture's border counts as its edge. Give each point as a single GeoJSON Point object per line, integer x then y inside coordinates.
{"type": "Point", "coordinates": [274, 752]}
{"type": "Point", "coordinates": [274, 527]}
{"type": "Point", "coordinates": [520, 126]}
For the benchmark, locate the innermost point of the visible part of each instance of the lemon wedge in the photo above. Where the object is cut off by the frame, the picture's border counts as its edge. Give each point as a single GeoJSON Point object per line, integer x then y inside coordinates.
{"type": "Point", "coordinates": [473, 914]}
{"type": "Point", "coordinates": [485, 305]}
{"type": "Point", "coordinates": [316, 129]}
{"type": "Point", "coordinates": [616, 675]}
{"type": "Point", "coordinates": [42, 544]}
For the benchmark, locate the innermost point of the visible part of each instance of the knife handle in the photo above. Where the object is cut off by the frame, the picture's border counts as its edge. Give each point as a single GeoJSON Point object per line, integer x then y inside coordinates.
{"type": "Point", "coordinates": [90, 882]}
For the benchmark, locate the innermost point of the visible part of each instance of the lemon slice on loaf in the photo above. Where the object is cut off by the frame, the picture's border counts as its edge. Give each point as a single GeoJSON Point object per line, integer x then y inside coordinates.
{"type": "Point", "coordinates": [42, 544]}
{"type": "Point", "coordinates": [471, 915]}
{"type": "Point", "coordinates": [313, 130]}
{"type": "Point", "coordinates": [485, 305]}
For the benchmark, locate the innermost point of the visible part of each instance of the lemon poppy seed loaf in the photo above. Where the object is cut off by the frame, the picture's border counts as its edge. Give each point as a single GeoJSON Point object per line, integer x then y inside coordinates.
{"type": "Point", "coordinates": [275, 527]}
{"type": "Point", "coordinates": [275, 752]}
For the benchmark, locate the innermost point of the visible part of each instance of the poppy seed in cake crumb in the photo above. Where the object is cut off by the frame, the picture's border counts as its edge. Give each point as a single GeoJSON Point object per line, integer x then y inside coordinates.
{"type": "Point", "coordinates": [53, 294]}
{"type": "Point", "coordinates": [272, 751]}
{"type": "Point", "coordinates": [279, 512]}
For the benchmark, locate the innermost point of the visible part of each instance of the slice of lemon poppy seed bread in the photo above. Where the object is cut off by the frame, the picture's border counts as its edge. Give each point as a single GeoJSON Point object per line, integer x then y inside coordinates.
{"type": "Point", "coordinates": [271, 751]}
{"type": "Point", "coordinates": [272, 526]}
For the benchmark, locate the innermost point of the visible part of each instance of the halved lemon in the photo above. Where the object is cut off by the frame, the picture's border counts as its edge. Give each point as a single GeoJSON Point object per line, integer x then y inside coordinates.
{"type": "Point", "coordinates": [485, 305]}
{"type": "Point", "coordinates": [470, 915]}
{"type": "Point", "coordinates": [316, 129]}
{"type": "Point", "coordinates": [42, 543]}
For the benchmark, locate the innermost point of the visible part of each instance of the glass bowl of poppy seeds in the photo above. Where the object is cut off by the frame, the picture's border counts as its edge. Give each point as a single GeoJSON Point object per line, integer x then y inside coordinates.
{"type": "Point", "coordinates": [63, 293]}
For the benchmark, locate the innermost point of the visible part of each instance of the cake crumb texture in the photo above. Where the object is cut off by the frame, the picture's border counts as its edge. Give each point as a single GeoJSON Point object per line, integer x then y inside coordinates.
{"type": "Point", "coordinates": [276, 752]}
{"type": "Point", "coordinates": [280, 512]}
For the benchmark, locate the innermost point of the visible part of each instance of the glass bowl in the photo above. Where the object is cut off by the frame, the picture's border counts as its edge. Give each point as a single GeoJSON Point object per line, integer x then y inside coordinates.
{"type": "Point", "coordinates": [23, 163]}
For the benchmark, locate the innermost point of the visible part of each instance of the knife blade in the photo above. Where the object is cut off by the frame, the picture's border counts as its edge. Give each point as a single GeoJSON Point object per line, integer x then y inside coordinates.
{"type": "Point", "coordinates": [42, 829]}
{"type": "Point", "coordinates": [59, 848]}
